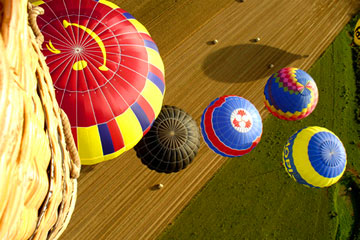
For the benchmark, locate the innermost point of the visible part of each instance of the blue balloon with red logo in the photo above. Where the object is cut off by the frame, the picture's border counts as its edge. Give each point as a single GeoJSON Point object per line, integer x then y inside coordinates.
{"type": "Point", "coordinates": [231, 126]}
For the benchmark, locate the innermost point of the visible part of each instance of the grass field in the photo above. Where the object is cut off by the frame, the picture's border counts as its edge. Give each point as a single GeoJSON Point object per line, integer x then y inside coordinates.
{"type": "Point", "coordinates": [253, 198]}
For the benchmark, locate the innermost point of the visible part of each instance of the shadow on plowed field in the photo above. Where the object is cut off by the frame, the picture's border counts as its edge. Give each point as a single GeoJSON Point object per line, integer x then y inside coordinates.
{"type": "Point", "coordinates": [231, 64]}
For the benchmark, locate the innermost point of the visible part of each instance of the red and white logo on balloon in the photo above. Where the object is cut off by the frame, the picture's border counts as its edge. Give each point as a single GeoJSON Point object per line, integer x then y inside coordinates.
{"type": "Point", "coordinates": [241, 120]}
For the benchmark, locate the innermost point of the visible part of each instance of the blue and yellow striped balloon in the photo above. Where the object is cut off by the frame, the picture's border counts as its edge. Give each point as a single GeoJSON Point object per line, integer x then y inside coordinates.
{"type": "Point", "coordinates": [315, 157]}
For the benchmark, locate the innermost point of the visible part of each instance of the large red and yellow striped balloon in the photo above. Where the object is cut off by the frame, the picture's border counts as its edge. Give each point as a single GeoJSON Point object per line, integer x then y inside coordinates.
{"type": "Point", "coordinates": [107, 73]}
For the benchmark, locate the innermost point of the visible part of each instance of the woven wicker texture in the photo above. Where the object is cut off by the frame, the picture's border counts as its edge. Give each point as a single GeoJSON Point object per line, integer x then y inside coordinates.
{"type": "Point", "coordinates": [172, 142]}
{"type": "Point", "coordinates": [37, 173]}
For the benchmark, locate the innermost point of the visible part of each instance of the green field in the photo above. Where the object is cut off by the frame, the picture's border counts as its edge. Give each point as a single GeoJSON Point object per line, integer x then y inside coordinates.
{"type": "Point", "coordinates": [252, 197]}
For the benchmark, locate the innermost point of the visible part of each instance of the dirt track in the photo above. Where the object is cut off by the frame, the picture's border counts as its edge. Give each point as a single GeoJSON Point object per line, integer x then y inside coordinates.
{"type": "Point", "coordinates": [115, 200]}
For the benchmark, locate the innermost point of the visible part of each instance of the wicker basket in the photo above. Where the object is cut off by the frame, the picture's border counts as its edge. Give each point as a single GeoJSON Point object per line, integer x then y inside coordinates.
{"type": "Point", "coordinates": [38, 159]}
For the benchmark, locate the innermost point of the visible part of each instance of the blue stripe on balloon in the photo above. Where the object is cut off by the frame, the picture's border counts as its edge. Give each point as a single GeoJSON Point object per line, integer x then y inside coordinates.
{"type": "Point", "coordinates": [222, 125]}
{"type": "Point", "coordinates": [288, 102]}
{"type": "Point", "coordinates": [288, 156]}
{"type": "Point", "coordinates": [141, 116]}
{"type": "Point", "coordinates": [157, 81]}
{"type": "Point", "coordinates": [206, 138]}
{"type": "Point", "coordinates": [105, 137]}
{"type": "Point", "coordinates": [326, 154]}
{"type": "Point", "coordinates": [302, 77]}
{"type": "Point", "coordinates": [268, 89]}
{"type": "Point", "coordinates": [151, 44]}
{"type": "Point", "coordinates": [128, 15]}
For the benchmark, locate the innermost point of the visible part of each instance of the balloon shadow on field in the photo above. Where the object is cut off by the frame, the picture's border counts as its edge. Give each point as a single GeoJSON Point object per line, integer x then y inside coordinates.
{"type": "Point", "coordinates": [246, 62]}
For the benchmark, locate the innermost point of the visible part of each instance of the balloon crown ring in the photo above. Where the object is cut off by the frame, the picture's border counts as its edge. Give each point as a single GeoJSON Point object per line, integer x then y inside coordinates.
{"type": "Point", "coordinates": [241, 120]}
{"type": "Point", "coordinates": [78, 49]}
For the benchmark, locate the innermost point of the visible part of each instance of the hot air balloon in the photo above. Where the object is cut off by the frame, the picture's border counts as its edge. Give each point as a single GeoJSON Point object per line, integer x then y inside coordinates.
{"type": "Point", "coordinates": [107, 73]}
{"type": "Point", "coordinates": [357, 33]}
{"type": "Point", "coordinates": [231, 126]}
{"type": "Point", "coordinates": [172, 142]}
{"type": "Point", "coordinates": [315, 157]}
{"type": "Point", "coordinates": [290, 94]}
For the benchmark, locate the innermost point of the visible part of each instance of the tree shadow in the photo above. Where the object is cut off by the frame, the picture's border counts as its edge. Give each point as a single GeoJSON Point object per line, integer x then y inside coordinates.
{"type": "Point", "coordinates": [355, 200]}
{"type": "Point", "coordinates": [246, 62]}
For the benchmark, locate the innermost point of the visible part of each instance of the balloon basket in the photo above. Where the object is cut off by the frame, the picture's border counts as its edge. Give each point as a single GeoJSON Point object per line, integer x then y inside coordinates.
{"type": "Point", "coordinates": [39, 164]}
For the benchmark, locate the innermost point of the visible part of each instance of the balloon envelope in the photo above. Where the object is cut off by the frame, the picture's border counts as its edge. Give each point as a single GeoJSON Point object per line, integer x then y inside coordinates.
{"type": "Point", "coordinates": [231, 126]}
{"type": "Point", "coordinates": [357, 33]}
{"type": "Point", "coordinates": [107, 73]}
{"type": "Point", "coordinates": [315, 157]}
{"type": "Point", "coordinates": [290, 94]}
{"type": "Point", "coordinates": [172, 142]}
